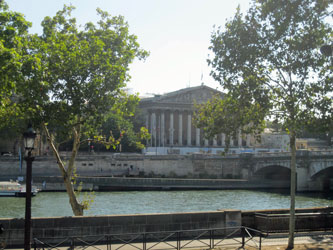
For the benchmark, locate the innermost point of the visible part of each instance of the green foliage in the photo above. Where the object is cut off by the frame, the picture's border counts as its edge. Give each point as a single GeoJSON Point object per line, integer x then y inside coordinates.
{"type": "Point", "coordinates": [14, 56]}
{"type": "Point", "coordinates": [269, 64]}
{"type": "Point", "coordinates": [121, 127]}
{"type": "Point", "coordinates": [67, 79]}
{"type": "Point", "coordinates": [227, 114]}
{"type": "Point", "coordinates": [86, 68]}
{"type": "Point", "coordinates": [67, 76]}
{"type": "Point", "coordinates": [88, 197]}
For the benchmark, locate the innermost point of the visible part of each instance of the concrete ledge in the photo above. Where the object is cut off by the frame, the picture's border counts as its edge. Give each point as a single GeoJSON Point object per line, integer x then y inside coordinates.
{"type": "Point", "coordinates": [114, 224]}
{"type": "Point", "coordinates": [276, 220]}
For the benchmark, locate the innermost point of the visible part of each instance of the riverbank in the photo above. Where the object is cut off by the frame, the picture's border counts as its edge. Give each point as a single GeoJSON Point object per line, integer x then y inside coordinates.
{"type": "Point", "coordinates": [255, 169]}
{"type": "Point", "coordinates": [55, 183]}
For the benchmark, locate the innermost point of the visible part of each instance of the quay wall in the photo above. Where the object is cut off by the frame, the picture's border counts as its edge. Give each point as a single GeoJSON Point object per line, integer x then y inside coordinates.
{"type": "Point", "coordinates": [187, 166]}
{"type": "Point", "coordinates": [107, 172]}
{"type": "Point", "coordinates": [61, 227]}
{"type": "Point", "coordinates": [55, 183]}
{"type": "Point", "coordinates": [312, 167]}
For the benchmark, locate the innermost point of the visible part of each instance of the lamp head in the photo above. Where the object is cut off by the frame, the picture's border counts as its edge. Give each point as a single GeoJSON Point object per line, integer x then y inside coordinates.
{"type": "Point", "coordinates": [29, 138]}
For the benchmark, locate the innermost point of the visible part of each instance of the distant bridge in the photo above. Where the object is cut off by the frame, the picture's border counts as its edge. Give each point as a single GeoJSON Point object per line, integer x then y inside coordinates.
{"type": "Point", "coordinates": [314, 170]}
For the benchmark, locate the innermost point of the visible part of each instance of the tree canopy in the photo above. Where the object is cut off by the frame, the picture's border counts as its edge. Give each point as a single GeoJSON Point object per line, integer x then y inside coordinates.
{"type": "Point", "coordinates": [14, 58]}
{"type": "Point", "coordinates": [67, 79]}
{"type": "Point", "coordinates": [268, 63]}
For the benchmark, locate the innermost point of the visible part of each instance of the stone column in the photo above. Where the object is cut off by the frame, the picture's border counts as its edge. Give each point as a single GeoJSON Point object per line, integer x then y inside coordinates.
{"type": "Point", "coordinates": [147, 125]}
{"type": "Point", "coordinates": [171, 129]}
{"type": "Point", "coordinates": [239, 138]}
{"type": "Point", "coordinates": [248, 140]}
{"type": "Point", "coordinates": [215, 141]}
{"type": "Point", "coordinates": [151, 130]}
{"type": "Point", "coordinates": [189, 132]}
{"type": "Point", "coordinates": [180, 129]}
{"type": "Point", "coordinates": [231, 141]}
{"type": "Point", "coordinates": [158, 130]}
{"type": "Point", "coordinates": [206, 142]}
{"type": "Point", "coordinates": [153, 122]}
{"type": "Point", "coordinates": [222, 139]}
{"type": "Point", "coordinates": [197, 137]}
{"type": "Point", "coordinates": [162, 129]}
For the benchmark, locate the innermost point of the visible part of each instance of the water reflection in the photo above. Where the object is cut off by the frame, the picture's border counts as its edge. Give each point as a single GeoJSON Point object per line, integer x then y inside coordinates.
{"type": "Point", "coordinates": [136, 202]}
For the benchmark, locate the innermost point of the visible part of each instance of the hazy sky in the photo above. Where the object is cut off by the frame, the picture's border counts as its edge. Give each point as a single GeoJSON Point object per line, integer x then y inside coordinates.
{"type": "Point", "coordinates": [176, 32]}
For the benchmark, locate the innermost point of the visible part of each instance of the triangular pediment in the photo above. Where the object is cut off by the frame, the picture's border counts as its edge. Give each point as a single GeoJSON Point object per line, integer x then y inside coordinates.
{"type": "Point", "coordinates": [191, 95]}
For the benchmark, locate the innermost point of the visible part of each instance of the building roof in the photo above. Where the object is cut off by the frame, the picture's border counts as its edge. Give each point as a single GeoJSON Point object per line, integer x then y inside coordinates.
{"type": "Point", "coordinates": [186, 97]}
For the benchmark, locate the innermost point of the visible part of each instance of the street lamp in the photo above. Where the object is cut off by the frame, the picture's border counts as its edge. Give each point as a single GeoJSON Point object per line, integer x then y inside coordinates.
{"type": "Point", "coordinates": [29, 140]}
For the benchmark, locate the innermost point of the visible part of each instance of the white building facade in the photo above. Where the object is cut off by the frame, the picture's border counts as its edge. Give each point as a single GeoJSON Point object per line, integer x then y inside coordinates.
{"type": "Point", "coordinates": [168, 119]}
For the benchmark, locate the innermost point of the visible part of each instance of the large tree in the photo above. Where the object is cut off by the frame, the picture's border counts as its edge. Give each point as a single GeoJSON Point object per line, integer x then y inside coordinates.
{"type": "Point", "coordinates": [75, 77]}
{"type": "Point", "coordinates": [14, 57]}
{"type": "Point", "coordinates": [123, 123]}
{"type": "Point", "coordinates": [269, 64]}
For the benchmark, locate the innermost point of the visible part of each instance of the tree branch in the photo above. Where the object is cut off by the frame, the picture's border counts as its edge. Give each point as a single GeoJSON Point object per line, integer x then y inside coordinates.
{"type": "Point", "coordinates": [55, 151]}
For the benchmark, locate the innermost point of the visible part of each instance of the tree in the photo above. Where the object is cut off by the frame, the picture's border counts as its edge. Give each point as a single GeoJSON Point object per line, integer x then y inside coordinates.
{"type": "Point", "coordinates": [269, 64]}
{"type": "Point", "coordinates": [75, 79]}
{"type": "Point", "coordinates": [14, 56]}
{"type": "Point", "coordinates": [121, 122]}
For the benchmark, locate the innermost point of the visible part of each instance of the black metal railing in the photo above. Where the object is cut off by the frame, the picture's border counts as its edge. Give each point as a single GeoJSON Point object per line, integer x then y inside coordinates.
{"type": "Point", "coordinates": [185, 239]}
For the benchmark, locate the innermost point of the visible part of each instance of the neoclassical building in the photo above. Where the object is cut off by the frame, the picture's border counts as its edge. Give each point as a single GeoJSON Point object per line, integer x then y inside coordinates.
{"type": "Point", "coordinates": [169, 119]}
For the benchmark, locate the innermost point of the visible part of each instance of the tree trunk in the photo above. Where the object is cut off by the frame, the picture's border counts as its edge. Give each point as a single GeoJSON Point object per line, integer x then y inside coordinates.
{"type": "Point", "coordinates": [77, 208]}
{"type": "Point", "coordinates": [292, 190]}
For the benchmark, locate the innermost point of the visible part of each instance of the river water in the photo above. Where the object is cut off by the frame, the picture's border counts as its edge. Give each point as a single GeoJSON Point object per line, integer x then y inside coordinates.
{"type": "Point", "coordinates": [49, 204]}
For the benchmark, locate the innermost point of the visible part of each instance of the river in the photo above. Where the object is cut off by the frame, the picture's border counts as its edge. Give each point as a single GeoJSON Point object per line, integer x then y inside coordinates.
{"type": "Point", "coordinates": [49, 204]}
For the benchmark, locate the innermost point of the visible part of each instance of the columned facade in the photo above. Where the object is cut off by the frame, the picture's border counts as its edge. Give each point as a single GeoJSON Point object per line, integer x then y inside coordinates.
{"type": "Point", "coordinates": [189, 130]}
{"type": "Point", "coordinates": [169, 120]}
{"type": "Point", "coordinates": [175, 128]}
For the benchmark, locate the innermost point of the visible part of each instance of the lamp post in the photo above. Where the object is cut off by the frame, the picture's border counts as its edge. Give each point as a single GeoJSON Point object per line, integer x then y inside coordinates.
{"type": "Point", "coordinates": [29, 141]}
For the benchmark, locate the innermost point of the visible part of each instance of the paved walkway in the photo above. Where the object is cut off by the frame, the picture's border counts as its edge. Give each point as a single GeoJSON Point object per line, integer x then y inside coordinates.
{"type": "Point", "coordinates": [318, 241]}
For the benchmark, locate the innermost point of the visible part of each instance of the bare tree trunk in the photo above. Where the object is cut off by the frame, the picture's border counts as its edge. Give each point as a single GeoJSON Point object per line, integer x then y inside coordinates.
{"type": "Point", "coordinates": [77, 208]}
{"type": "Point", "coordinates": [292, 190]}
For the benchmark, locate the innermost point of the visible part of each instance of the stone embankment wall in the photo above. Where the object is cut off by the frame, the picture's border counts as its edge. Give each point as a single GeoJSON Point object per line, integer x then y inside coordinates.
{"type": "Point", "coordinates": [163, 172]}
{"type": "Point", "coordinates": [62, 227]}
{"type": "Point", "coordinates": [189, 166]}
{"type": "Point", "coordinates": [308, 219]}
{"type": "Point", "coordinates": [130, 184]}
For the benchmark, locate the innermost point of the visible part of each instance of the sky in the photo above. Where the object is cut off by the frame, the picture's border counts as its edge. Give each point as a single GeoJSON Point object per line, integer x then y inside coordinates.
{"type": "Point", "coordinates": [175, 32]}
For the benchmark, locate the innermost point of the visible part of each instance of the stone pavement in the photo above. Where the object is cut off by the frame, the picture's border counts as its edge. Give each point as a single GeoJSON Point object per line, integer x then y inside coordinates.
{"type": "Point", "coordinates": [313, 242]}
{"type": "Point", "coordinates": [318, 241]}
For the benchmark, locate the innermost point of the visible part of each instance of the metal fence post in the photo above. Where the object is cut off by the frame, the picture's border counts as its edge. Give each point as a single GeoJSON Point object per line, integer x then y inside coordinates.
{"type": "Point", "coordinates": [211, 234]}
{"type": "Point", "coordinates": [243, 237]}
{"type": "Point", "coordinates": [108, 242]}
{"type": "Point", "coordinates": [144, 241]}
{"type": "Point", "coordinates": [72, 243]}
{"type": "Point", "coordinates": [178, 240]}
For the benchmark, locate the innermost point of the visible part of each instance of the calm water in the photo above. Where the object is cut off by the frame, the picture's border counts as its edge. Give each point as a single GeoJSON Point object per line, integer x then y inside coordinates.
{"type": "Point", "coordinates": [56, 204]}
